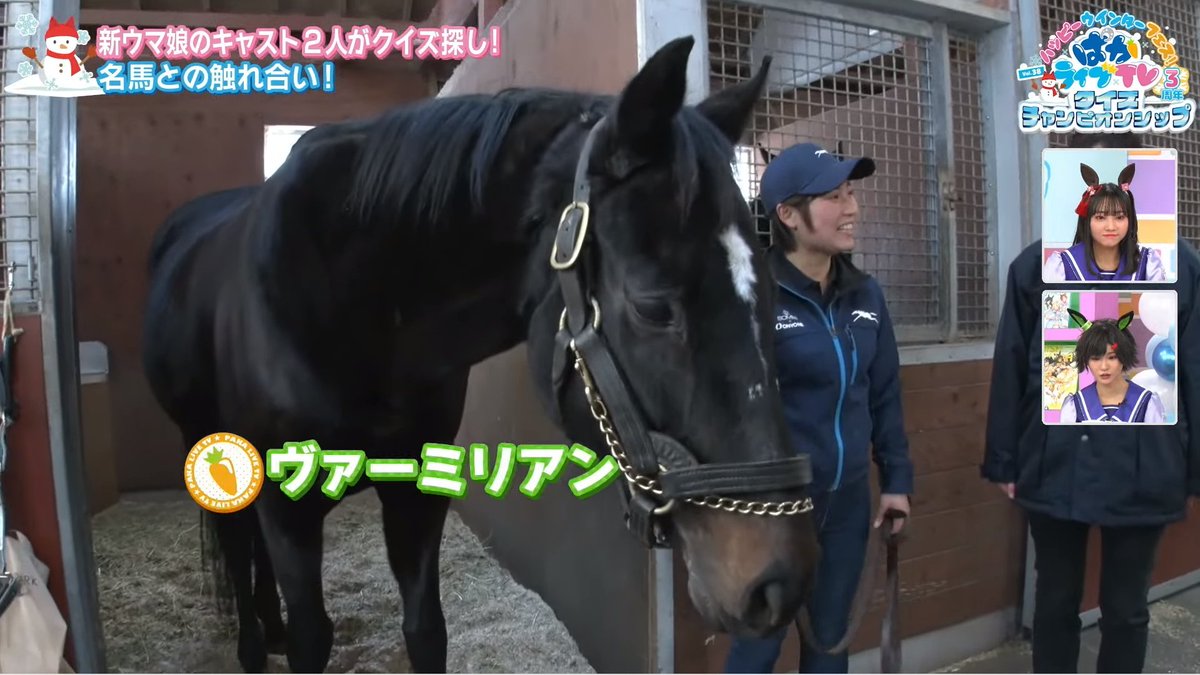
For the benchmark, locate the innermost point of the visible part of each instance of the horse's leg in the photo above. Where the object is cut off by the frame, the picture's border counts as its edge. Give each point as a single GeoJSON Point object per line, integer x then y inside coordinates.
{"type": "Point", "coordinates": [232, 560]}
{"type": "Point", "coordinates": [266, 597]}
{"type": "Point", "coordinates": [235, 537]}
{"type": "Point", "coordinates": [412, 528]}
{"type": "Point", "coordinates": [293, 533]}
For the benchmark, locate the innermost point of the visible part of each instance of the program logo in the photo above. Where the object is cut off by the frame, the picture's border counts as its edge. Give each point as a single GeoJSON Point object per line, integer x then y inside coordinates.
{"type": "Point", "coordinates": [223, 473]}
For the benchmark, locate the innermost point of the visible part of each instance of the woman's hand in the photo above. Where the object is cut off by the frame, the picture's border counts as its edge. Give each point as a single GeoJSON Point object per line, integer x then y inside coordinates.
{"type": "Point", "coordinates": [1008, 489]}
{"type": "Point", "coordinates": [897, 502]}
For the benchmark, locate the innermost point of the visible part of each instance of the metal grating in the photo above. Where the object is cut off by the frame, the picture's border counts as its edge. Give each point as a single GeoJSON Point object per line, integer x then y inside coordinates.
{"type": "Point", "coordinates": [973, 244]}
{"type": "Point", "coordinates": [859, 90]}
{"type": "Point", "coordinates": [1180, 19]}
{"type": "Point", "coordinates": [18, 161]}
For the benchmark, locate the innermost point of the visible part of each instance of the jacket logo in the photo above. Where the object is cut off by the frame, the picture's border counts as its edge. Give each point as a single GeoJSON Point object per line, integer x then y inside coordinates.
{"type": "Point", "coordinates": [860, 314]}
{"type": "Point", "coordinates": [787, 320]}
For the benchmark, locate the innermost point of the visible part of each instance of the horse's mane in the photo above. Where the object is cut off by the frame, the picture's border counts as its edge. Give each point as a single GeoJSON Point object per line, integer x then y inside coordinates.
{"type": "Point", "coordinates": [419, 159]}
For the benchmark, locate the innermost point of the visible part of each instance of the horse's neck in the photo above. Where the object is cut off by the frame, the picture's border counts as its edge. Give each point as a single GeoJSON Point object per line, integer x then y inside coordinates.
{"type": "Point", "coordinates": [485, 287]}
{"type": "Point", "coordinates": [437, 294]}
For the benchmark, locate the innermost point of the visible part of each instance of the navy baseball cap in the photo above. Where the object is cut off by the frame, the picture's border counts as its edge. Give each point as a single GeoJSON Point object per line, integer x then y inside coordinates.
{"type": "Point", "coordinates": [808, 169]}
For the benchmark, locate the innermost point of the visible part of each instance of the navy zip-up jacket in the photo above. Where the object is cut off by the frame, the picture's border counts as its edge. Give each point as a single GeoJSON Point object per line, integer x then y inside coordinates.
{"type": "Point", "coordinates": [1108, 475]}
{"type": "Point", "coordinates": [839, 376]}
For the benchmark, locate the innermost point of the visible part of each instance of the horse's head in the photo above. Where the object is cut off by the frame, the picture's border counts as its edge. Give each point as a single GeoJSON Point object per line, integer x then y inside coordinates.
{"type": "Point", "coordinates": [669, 304]}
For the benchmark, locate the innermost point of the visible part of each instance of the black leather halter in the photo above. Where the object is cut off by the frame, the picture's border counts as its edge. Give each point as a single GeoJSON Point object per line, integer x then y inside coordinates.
{"type": "Point", "coordinates": [658, 470]}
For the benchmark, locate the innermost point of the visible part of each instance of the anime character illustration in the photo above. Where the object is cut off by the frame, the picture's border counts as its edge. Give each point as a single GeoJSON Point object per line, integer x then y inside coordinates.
{"type": "Point", "coordinates": [1106, 237]}
{"type": "Point", "coordinates": [1108, 351]}
{"type": "Point", "coordinates": [1055, 311]}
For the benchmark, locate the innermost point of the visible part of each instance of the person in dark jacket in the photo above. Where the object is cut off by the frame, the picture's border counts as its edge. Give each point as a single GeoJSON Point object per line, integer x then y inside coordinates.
{"type": "Point", "coordinates": [839, 376]}
{"type": "Point", "coordinates": [1129, 480]}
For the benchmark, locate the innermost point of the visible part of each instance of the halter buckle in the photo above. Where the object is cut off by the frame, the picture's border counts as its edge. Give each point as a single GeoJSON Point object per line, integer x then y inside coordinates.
{"type": "Point", "coordinates": [576, 231]}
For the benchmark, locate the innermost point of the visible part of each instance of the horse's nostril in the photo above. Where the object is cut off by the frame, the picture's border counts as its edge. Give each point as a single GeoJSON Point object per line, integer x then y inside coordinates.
{"type": "Point", "coordinates": [772, 600]}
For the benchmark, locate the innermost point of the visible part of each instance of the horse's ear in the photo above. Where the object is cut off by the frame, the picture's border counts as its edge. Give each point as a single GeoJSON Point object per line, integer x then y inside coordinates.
{"type": "Point", "coordinates": [1125, 320]}
{"type": "Point", "coordinates": [1089, 175]}
{"type": "Point", "coordinates": [731, 107]}
{"type": "Point", "coordinates": [1126, 176]}
{"type": "Point", "coordinates": [653, 97]}
{"type": "Point", "coordinates": [1080, 319]}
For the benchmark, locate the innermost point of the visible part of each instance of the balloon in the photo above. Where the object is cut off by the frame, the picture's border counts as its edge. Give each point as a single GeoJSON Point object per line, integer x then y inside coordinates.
{"type": "Point", "coordinates": [1148, 379]}
{"type": "Point", "coordinates": [1157, 312]}
{"type": "Point", "coordinates": [1151, 345]}
{"type": "Point", "coordinates": [1163, 361]}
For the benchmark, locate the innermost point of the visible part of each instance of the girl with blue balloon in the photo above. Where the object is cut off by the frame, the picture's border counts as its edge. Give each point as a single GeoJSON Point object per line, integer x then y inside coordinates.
{"type": "Point", "coordinates": [1108, 351]}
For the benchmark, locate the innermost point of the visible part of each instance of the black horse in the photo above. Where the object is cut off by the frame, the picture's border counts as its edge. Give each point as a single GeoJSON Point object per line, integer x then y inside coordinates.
{"type": "Point", "coordinates": [347, 297]}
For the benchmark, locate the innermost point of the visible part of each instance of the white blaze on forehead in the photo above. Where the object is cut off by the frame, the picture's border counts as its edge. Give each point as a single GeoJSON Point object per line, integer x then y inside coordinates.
{"type": "Point", "coordinates": [741, 268]}
{"type": "Point", "coordinates": [741, 264]}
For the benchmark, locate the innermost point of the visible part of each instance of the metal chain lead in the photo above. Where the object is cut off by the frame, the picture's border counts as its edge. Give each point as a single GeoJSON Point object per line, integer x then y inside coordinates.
{"type": "Point", "coordinates": [600, 413]}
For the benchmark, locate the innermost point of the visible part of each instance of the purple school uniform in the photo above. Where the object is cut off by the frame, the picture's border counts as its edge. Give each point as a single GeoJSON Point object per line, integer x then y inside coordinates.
{"type": "Point", "coordinates": [1088, 407]}
{"type": "Point", "coordinates": [1075, 265]}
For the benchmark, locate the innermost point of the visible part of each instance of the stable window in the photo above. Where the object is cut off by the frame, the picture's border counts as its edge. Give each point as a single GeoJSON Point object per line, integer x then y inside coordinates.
{"type": "Point", "coordinates": [904, 92]}
{"type": "Point", "coordinates": [278, 140]}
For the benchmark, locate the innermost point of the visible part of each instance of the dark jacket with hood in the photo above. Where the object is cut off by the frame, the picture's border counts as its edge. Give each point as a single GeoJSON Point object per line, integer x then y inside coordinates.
{"type": "Point", "coordinates": [1108, 475]}
{"type": "Point", "coordinates": [839, 376]}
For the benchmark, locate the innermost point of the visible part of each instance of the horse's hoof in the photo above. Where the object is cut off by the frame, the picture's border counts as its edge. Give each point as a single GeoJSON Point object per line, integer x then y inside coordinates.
{"type": "Point", "coordinates": [276, 644]}
{"type": "Point", "coordinates": [252, 654]}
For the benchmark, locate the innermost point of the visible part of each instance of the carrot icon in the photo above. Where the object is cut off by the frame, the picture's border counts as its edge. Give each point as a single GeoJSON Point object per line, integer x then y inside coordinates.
{"type": "Point", "coordinates": [221, 470]}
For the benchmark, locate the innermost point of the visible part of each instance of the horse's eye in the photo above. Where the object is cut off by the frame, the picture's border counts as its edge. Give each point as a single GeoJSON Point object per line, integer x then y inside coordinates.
{"type": "Point", "coordinates": [656, 311]}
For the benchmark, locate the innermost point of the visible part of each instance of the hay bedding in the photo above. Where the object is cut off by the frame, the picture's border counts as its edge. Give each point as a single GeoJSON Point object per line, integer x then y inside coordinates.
{"type": "Point", "coordinates": [157, 615]}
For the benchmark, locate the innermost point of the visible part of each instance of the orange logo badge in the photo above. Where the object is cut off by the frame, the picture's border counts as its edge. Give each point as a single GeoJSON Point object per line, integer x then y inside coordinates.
{"type": "Point", "coordinates": [223, 473]}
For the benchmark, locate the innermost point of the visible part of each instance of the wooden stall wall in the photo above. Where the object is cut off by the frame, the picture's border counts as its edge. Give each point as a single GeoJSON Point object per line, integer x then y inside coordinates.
{"type": "Point", "coordinates": [576, 554]}
{"type": "Point", "coordinates": [1178, 556]}
{"type": "Point", "coordinates": [965, 552]}
{"type": "Point", "coordinates": [139, 158]}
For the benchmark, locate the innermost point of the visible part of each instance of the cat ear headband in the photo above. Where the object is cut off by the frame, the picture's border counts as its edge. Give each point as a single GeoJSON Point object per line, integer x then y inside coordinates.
{"type": "Point", "coordinates": [1083, 322]}
{"type": "Point", "coordinates": [1093, 182]}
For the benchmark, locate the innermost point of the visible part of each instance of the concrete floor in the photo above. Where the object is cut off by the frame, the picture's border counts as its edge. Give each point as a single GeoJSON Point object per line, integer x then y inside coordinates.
{"type": "Point", "coordinates": [1174, 643]}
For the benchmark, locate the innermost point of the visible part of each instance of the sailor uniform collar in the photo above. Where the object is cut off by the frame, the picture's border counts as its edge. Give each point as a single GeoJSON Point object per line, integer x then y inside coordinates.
{"type": "Point", "coordinates": [1130, 409]}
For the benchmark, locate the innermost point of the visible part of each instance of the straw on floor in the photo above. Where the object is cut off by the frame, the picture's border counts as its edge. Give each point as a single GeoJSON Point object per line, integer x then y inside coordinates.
{"type": "Point", "coordinates": [157, 615]}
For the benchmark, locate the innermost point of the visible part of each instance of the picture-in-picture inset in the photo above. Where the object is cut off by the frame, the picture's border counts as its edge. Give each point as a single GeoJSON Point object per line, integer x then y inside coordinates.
{"type": "Point", "coordinates": [1110, 215]}
{"type": "Point", "coordinates": [1109, 357]}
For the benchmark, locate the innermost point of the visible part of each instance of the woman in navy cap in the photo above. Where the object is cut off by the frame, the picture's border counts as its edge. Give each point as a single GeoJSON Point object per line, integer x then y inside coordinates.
{"type": "Point", "coordinates": [839, 376]}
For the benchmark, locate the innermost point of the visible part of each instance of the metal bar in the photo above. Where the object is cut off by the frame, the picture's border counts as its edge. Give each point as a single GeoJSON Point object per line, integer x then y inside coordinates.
{"type": "Point", "coordinates": [945, 196]}
{"type": "Point", "coordinates": [857, 15]}
{"type": "Point", "coordinates": [231, 20]}
{"type": "Point", "coordinates": [971, 16]}
{"type": "Point", "coordinates": [659, 22]}
{"type": "Point", "coordinates": [998, 56]}
{"type": "Point", "coordinates": [918, 335]}
{"type": "Point", "coordinates": [973, 246]}
{"type": "Point", "coordinates": [663, 638]}
{"type": "Point", "coordinates": [57, 134]}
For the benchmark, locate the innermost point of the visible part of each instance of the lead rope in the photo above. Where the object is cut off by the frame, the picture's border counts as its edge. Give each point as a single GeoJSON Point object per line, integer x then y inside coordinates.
{"type": "Point", "coordinates": [9, 584]}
